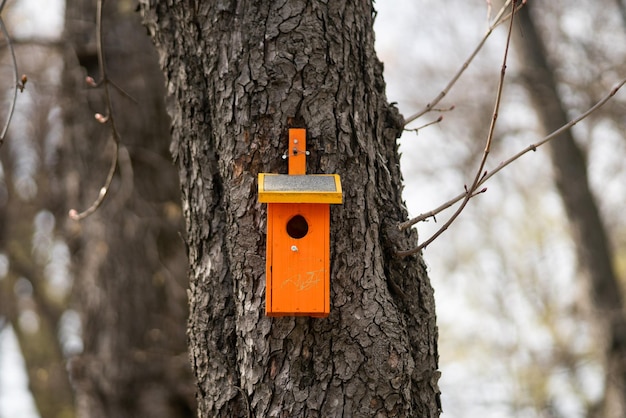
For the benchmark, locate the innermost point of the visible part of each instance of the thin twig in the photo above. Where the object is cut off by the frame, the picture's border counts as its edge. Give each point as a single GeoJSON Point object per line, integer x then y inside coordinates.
{"type": "Point", "coordinates": [553, 135]}
{"type": "Point", "coordinates": [92, 83]}
{"type": "Point", "coordinates": [433, 213]}
{"type": "Point", "coordinates": [16, 83]}
{"type": "Point", "coordinates": [126, 186]}
{"type": "Point", "coordinates": [109, 118]}
{"type": "Point", "coordinates": [103, 191]}
{"type": "Point", "coordinates": [502, 165]}
{"type": "Point", "coordinates": [500, 18]}
{"type": "Point", "coordinates": [479, 173]}
{"type": "Point", "coordinates": [433, 122]}
{"type": "Point", "coordinates": [103, 72]}
{"type": "Point", "coordinates": [122, 91]}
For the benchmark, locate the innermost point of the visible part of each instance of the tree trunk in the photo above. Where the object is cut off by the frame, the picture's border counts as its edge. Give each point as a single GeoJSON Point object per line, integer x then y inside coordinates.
{"type": "Point", "coordinates": [240, 74]}
{"type": "Point", "coordinates": [129, 259]}
{"type": "Point", "coordinates": [621, 5]}
{"type": "Point", "coordinates": [590, 237]}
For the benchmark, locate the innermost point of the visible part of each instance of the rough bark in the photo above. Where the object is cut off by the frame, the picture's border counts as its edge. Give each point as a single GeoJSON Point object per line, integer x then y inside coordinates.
{"type": "Point", "coordinates": [239, 74]}
{"type": "Point", "coordinates": [130, 264]}
{"type": "Point", "coordinates": [590, 237]}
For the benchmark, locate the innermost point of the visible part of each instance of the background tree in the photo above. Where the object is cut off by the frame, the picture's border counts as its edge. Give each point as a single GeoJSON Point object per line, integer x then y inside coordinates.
{"type": "Point", "coordinates": [509, 280]}
{"type": "Point", "coordinates": [240, 75]}
{"type": "Point", "coordinates": [590, 237]}
{"type": "Point", "coordinates": [33, 297]}
{"type": "Point", "coordinates": [129, 258]}
{"type": "Point", "coordinates": [34, 285]}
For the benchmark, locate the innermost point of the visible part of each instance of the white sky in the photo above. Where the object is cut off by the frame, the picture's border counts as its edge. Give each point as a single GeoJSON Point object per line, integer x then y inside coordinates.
{"type": "Point", "coordinates": [35, 18]}
{"type": "Point", "coordinates": [15, 398]}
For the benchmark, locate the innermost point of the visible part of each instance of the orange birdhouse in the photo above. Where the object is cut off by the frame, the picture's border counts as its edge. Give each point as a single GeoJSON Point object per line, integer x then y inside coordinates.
{"type": "Point", "coordinates": [298, 235]}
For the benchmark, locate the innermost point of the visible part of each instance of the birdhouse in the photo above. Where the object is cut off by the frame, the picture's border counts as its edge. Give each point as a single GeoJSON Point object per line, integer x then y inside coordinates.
{"type": "Point", "coordinates": [298, 235]}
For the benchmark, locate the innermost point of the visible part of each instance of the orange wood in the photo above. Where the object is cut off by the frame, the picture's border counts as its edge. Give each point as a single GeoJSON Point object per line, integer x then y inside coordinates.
{"type": "Point", "coordinates": [297, 269]}
{"type": "Point", "coordinates": [297, 151]}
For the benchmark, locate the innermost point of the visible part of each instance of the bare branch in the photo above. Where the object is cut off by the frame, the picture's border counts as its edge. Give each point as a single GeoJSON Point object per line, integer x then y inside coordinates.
{"type": "Point", "coordinates": [75, 215]}
{"type": "Point", "coordinates": [433, 122]}
{"type": "Point", "coordinates": [502, 165]}
{"type": "Point", "coordinates": [500, 18]}
{"type": "Point", "coordinates": [470, 192]}
{"type": "Point", "coordinates": [555, 134]}
{"type": "Point", "coordinates": [103, 72]}
{"type": "Point", "coordinates": [16, 83]}
{"type": "Point", "coordinates": [108, 118]}
{"type": "Point", "coordinates": [122, 91]}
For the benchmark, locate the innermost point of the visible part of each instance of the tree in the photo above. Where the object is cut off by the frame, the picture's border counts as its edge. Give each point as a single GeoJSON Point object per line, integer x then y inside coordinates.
{"type": "Point", "coordinates": [512, 257]}
{"type": "Point", "coordinates": [240, 74]}
{"type": "Point", "coordinates": [32, 298]}
{"type": "Point", "coordinates": [594, 250]}
{"type": "Point", "coordinates": [129, 260]}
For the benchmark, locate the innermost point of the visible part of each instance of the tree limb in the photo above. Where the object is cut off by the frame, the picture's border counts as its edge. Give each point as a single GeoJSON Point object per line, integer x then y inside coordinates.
{"type": "Point", "coordinates": [479, 173]}
{"type": "Point", "coordinates": [502, 165]}
{"type": "Point", "coordinates": [500, 18]}
{"type": "Point", "coordinates": [16, 82]}
{"type": "Point", "coordinates": [108, 118]}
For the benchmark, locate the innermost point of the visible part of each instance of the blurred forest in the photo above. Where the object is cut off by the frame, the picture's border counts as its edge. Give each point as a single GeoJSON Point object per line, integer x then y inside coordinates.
{"type": "Point", "coordinates": [528, 281]}
{"type": "Point", "coordinates": [524, 330]}
{"type": "Point", "coordinates": [98, 306]}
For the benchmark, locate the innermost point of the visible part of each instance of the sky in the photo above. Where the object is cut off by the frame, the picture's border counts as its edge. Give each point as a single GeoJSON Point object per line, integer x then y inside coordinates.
{"type": "Point", "coordinates": [40, 19]}
{"type": "Point", "coordinates": [15, 398]}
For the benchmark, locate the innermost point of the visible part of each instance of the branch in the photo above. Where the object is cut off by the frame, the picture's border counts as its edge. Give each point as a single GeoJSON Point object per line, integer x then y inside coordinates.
{"type": "Point", "coordinates": [502, 165]}
{"type": "Point", "coordinates": [500, 18]}
{"type": "Point", "coordinates": [17, 84]}
{"type": "Point", "coordinates": [108, 118]}
{"type": "Point", "coordinates": [77, 216]}
{"type": "Point", "coordinates": [432, 122]}
{"type": "Point", "coordinates": [479, 173]}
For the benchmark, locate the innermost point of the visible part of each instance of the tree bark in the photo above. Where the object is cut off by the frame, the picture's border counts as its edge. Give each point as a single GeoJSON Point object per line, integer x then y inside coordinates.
{"type": "Point", "coordinates": [590, 237]}
{"type": "Point", "coordinates": [129, 259]}
{"type": "Point", "coordinates": [239, 75]}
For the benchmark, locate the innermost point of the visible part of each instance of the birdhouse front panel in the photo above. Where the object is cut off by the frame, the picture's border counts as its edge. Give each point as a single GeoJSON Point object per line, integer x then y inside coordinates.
{"type": "Point", "coordinates": [298, 234]}
{"type": "Point", "coordinates": [298, 279]}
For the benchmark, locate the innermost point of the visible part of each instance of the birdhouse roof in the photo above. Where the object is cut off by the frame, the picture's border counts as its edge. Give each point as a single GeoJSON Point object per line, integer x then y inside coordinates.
{"type": "Point", "coordinates": [304, 188]}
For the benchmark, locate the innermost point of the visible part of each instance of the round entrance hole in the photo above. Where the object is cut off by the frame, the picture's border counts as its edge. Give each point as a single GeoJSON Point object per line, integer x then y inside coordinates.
{"type": "Point", "coordinates": [297, 227]}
